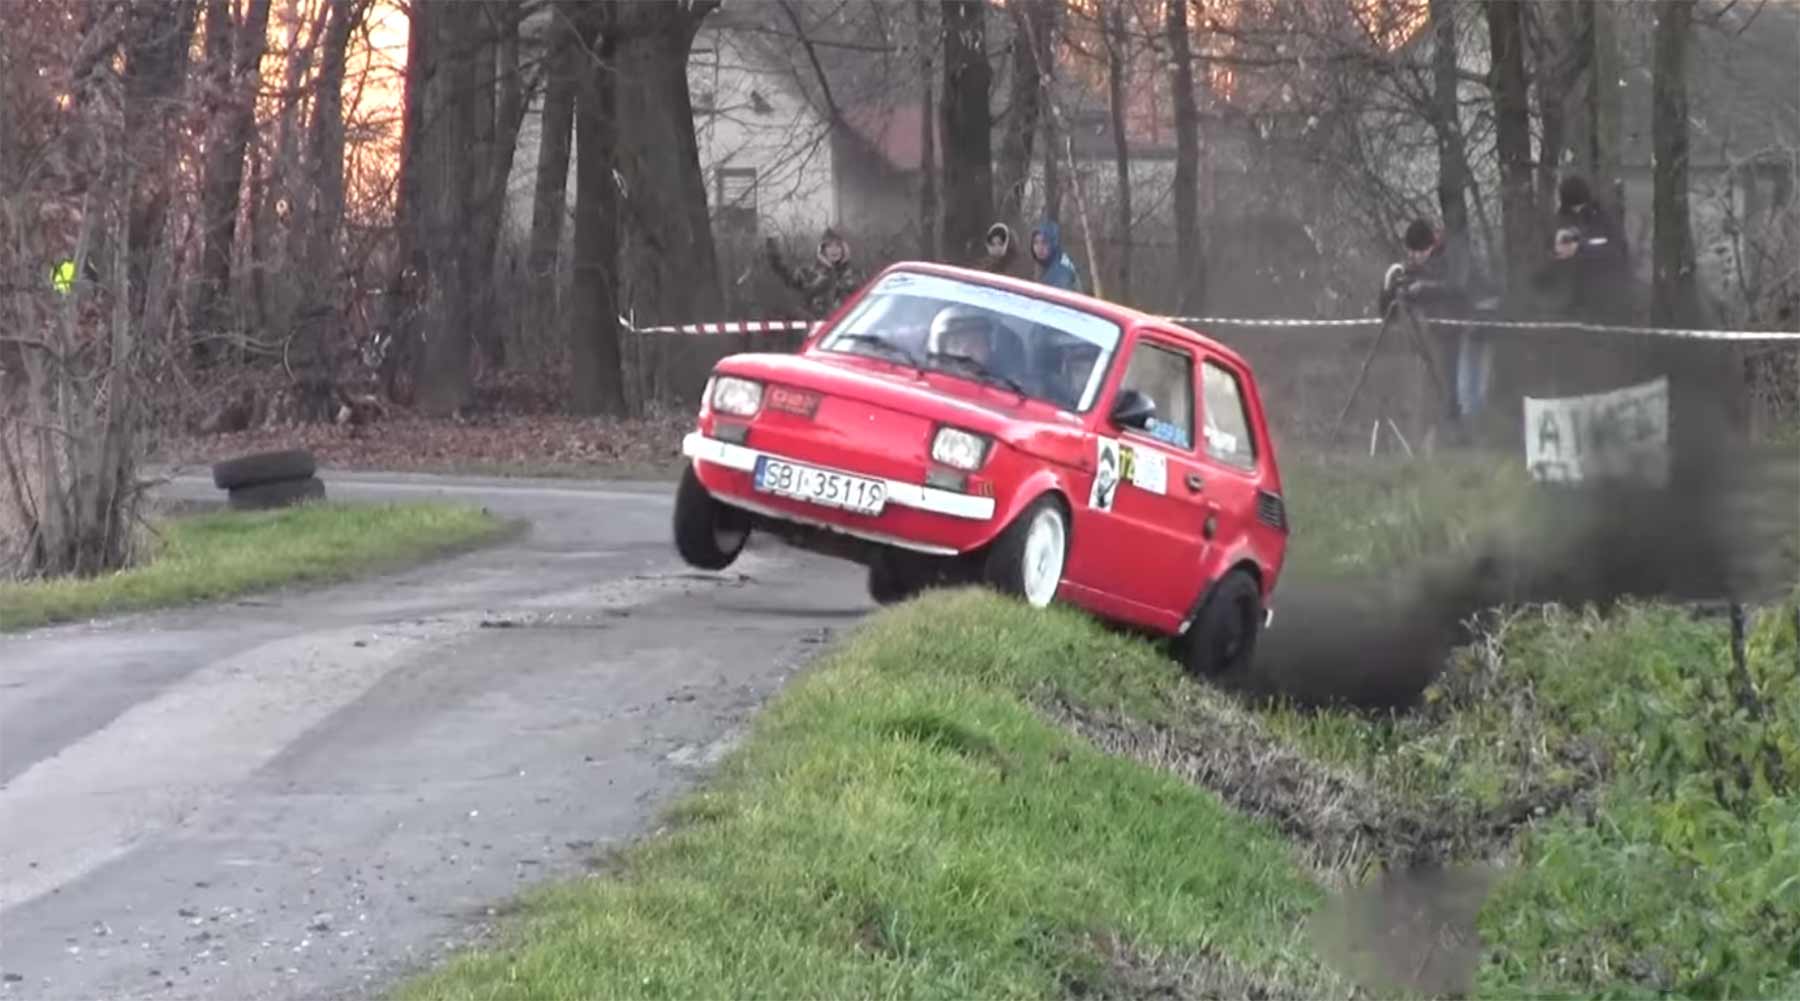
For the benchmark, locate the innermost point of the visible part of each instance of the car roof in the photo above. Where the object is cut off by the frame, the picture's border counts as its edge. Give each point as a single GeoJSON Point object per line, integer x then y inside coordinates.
{"type": "Point", "coordinates": [1124, 316]}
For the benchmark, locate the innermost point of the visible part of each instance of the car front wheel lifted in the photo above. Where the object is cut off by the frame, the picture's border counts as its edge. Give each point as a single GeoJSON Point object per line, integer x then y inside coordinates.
{"type": "Point", "coordinates": [708, 535]}
{"type": "Point", "coordinates": [1027, 559]}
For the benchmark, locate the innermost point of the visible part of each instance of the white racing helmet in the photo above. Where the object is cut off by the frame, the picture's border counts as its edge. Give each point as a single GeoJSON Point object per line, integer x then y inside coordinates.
{"type": "Point", "coordinates": [958, 319]}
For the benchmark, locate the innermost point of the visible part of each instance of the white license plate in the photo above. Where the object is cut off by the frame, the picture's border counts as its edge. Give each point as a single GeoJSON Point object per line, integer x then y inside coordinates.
{"type": "Point", "coordinates": [820, 486]}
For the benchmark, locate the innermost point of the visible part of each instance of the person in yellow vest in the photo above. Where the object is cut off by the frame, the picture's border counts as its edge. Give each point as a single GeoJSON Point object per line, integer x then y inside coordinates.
{"type": "Point", "coordinates": [62, 276]}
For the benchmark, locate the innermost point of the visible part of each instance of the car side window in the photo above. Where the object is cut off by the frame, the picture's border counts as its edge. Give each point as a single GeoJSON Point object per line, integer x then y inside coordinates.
{"type": "Point", "coordinates": [1227, 417]}
{"type": "Point", "coordinates": [1166, 375]}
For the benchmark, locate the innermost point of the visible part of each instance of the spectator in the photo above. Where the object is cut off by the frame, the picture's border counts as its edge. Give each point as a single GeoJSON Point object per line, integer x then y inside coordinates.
{"type": "Point", "coordinates": [826, 283]}
{"type": "Point", "coordinates": [1002, 257]}
{"type": "Point", "coordinates": [1588, 275]}
{"type": "Point", "coordinates": [1054, 267]}
{"type": "Point", "coordinates": [1438, 283]}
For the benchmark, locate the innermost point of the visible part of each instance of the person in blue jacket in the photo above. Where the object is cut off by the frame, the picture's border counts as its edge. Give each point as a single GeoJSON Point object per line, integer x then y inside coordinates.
{"type": "Point", "coordinates": [1054, 267]}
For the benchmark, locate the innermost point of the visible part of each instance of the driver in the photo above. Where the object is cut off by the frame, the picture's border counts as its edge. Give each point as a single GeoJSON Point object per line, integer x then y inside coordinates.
{"type": "Point", "coordinates": [962, 330]}
{"type": "Point", "coordinates": [1074, 365]}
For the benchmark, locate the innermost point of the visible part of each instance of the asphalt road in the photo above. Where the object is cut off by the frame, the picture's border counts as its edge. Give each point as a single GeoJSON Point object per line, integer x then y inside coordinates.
{"type": "Point", "coordinates": [312, 793]}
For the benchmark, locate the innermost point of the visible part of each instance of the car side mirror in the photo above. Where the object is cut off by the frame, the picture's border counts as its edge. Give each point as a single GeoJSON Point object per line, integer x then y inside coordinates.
{"type": "Point", "coordinates": [1133, 409]}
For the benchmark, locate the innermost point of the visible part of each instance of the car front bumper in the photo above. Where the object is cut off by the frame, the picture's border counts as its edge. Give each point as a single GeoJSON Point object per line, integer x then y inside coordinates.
{"type": "Point", "coordinates": [929, 519]}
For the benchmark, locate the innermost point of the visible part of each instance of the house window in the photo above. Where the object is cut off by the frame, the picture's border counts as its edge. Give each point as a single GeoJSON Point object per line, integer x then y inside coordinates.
{"type": "Point", "coordinates": [736, 199]}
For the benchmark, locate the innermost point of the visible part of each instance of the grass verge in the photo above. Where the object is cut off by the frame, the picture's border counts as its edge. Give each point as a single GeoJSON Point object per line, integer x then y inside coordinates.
{"type": "Point", "coordinates": [907, 821]}
{"type": "Point", "coordinates": [211, 556]}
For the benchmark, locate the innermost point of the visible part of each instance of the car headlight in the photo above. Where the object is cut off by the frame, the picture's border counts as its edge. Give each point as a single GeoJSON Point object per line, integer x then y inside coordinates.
{"type": "Point", "coordinates": [737, 397]}
{"type": "Point", "coordinates": [959, 449]}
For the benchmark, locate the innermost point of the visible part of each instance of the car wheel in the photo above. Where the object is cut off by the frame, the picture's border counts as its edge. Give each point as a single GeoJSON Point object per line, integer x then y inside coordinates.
{"type": "Point", "coordinates": [708, 535]}
{"type": "Point", "coordinates": [1027, 559]}
{"type": "Point", "coordinates": [889, 581]}
{"type": "Point", "coordinates": [1222, 640]}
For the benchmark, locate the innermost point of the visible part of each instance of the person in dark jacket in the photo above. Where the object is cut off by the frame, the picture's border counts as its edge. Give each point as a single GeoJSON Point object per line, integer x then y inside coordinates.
{"type": "Point", "coordinates": [1054, 266]}
{"type": "Point", "coordinates": [827, 282]}
{"type": "Point", "coordinates": [1588, 275]}
{"type": "Point", "coordinates": [1425, 278]}
{"type": "Point", "coordinates": [1002, 257]}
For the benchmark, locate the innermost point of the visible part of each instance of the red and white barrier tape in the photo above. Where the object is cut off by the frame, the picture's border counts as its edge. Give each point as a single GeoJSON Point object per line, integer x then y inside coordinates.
{"type": "Point", "coordinates": [1592, 328]}
{"type": "Point", "coordinates": [805, 326]}
{"type": "Point", "coordinates": [731, 327]}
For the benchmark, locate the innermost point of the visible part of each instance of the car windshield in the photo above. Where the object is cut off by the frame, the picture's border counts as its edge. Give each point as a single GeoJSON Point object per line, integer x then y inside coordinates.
{"type": "Point", "coordinates": [1026, 345]}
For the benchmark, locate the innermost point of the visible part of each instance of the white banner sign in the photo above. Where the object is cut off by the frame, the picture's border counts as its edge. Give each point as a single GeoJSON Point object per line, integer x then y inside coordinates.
{"type": "Point", "coordinates": [1623, 434]}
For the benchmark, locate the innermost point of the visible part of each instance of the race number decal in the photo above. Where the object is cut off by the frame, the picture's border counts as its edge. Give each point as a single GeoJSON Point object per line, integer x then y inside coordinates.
{"type": "Point", "coordinates": [1147, 469]}
{"type": "Point", "coordinates": [1106, 475]}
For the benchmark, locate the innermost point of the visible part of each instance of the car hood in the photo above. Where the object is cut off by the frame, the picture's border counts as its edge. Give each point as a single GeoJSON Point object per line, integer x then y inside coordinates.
{"type": "Point", "coordinates": [1031, 425]}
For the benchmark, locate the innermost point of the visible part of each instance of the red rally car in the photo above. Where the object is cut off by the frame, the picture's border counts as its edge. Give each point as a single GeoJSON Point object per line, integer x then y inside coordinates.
{"type": "Point", "coordinates": [949, 425]}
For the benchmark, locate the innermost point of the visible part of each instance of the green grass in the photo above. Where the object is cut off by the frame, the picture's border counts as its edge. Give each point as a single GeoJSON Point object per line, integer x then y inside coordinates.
{"type": "Point", "coordinates": [1681, 873]}
{"type": "Point", "coordinates": [902, 823]}
{"type": "Point", "coordinates": [1355, 515]}
{"type": "Point", "coordinates": [213, 556]}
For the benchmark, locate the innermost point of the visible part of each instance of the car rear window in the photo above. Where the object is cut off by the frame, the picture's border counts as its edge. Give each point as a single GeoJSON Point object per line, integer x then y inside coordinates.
{"type": "Point", "coordinates": [1227, 428]}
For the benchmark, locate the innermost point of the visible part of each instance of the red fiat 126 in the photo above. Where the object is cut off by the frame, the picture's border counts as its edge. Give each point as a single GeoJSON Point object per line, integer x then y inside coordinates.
{"type": "Point", "coordinates": [949, 425]}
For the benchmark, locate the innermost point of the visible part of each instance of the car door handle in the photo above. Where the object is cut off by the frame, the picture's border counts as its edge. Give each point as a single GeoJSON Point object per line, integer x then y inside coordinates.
{"type": "Point", "coordinates": [1195, 483]}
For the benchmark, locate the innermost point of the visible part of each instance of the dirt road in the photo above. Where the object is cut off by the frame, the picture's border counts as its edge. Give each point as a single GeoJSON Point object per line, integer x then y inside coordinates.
{"type": "Point", "coordinates": [307, 794]}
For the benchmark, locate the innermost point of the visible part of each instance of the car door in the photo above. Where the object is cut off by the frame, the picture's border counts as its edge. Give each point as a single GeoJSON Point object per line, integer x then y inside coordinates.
{"type": "Point", "coordinates": [1139, 541]}
{"type": "Point", "coordinates": [1230, 455]}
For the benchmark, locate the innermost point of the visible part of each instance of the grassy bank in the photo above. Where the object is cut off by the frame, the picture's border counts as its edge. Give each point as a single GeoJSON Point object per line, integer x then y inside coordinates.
{"type": "Point", "coordinates": [213, 556]}
{"type": "Point", "coordinates": [1663, 787]}
{"type": "Point", "coordinates": [907, 822]}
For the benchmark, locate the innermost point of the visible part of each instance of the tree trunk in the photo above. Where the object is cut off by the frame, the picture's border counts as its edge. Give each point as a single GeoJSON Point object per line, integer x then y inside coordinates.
{"type": "Point", "coordinates": [447, 177]}
{"type": "Point", "coordinates": [1023, 109]}
{"type": "Point", "coordinates": [928, 158]}
{"type": "Point", "coordinates": [1675, 298]}
{"type": "Point", "coordinates": [156, 55]}
{"type": "Point", "coordinates": [1117, 55]}
{"type": "Point", "coordinates": [317, 317]}
{"type": "Point", "coordinates": [1043, 29]}
{"type": "Point", "coordinates": [1190, 263]}
{"type": "Point", "coordinates": [1446, 121]}
{"type": "Point", "coordinates": [1601, 98]}
{"type": "Point", "coordinates": [224, 172]}
{"type": "Point", "coordinates": [1512, 114]}
{"type": "Point", "coordinates": [968, 140]}
{"type": "Point", "coordinates": [500, 112]}
{"type": "Point", "coordinates": [550, 198]}
{"type": "Point", "coordinates": [593, 315]}
{"type": "Point", "coordinates": [672, 265]}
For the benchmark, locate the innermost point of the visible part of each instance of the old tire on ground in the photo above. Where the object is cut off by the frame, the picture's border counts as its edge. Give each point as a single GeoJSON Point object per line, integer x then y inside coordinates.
{"type": "Point", "coordinates": [708, 535]}
{"type": "Point", "coordinates": [281, 493]}
{"type": "Point", "coordinates": [1221, 643]}
{"type": "Point", "coordinates": [1027, 559]}
{"type": "Point", "coordinates": [264, 467]}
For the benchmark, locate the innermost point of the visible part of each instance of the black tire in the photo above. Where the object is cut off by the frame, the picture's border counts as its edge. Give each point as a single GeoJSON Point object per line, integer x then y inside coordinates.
{"type": "Point", "coordinates": [281, 493]}
{"type": "Point", "coordinates": [264, 467]}
{"type": "Point", "coordinates": [708, 535]}
{"type": "Point", "coordinates": [890, 581]}
{"type": "Point", "coordinates": [1221, 643]}
{"type": "Point", "coordinates": [1005, 568]}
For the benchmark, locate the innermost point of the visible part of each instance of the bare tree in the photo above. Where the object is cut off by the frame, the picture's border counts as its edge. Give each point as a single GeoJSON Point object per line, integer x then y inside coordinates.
{"type": "Point", "coordinates": [968, 149]}
{"type": "Point", "coordinates": [1190, 268]}
{"type": "Point", "coordinates": [1118, 60]}
{"type": "Point", "coordinates": [1024, 104]}
{"type": "Point", "coordinates": [1446, 122]}
{"type": "Point", "coordinates": [928, 158]}
{"type": "Point", "coordinates": [670, 264]}
{"type": "Point", "coordinates": [555, 130]}
{"type": "Point", "coordinates": [235, 52]}
{"type": "Point", "coordinates": [448, 178]}
{"type": "Point", "coordinates": [593, 317]}
{"type": "Point", "coordinates": [1675, 291]}
{"type": "Point", "coordinates": [1512, 125]}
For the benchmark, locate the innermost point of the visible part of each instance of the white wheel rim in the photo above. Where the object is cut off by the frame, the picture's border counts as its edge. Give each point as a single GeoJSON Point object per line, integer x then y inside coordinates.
{"type": "Point", "coordinates": [1043, 558]}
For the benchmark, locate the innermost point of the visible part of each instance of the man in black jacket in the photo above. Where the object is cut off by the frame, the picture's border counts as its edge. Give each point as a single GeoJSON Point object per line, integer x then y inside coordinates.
{"type": "Point", "coordinates": [1588, 275]}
